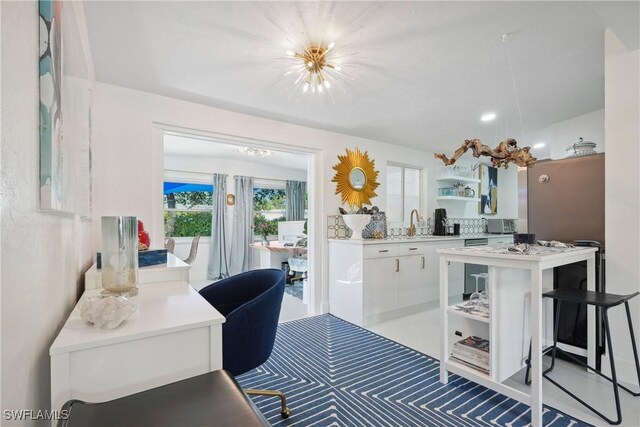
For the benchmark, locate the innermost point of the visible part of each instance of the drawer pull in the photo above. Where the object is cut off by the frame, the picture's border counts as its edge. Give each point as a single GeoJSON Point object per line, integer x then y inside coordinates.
{"type": "Point", "coordinates": [413, 249]}
{"type": "Point", "coordinates": [397, 265]}
{"type": "Point", "coordinates": [423, 263]}
{"type": "Point", "coordinates": [383, 250]}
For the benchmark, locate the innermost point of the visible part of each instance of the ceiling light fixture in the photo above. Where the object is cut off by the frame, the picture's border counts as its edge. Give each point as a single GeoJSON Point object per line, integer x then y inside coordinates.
{"type": "Point", "coordinates": [488, 117]}
{"type": "Point", "coordinates": [539, 145]}
{"type": "Point", "coordinates": [254, 152]}
{"type": "Point", "coordinates": [315, 66]}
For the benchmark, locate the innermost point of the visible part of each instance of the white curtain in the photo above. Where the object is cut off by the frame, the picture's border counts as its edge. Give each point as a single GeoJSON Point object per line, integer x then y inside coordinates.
{"type": "Point", "coordinates": [242, 237]}
{"type": "Point", "coordinates": [218, 265]}
{"type": "Point", "coordinates": [295, 192]}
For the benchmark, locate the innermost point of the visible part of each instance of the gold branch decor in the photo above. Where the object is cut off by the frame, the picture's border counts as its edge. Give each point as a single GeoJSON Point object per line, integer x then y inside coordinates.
{"type": "Point", "coordinates": [506, 152]}
{"type": "Point", "coordinates": [356, 178]}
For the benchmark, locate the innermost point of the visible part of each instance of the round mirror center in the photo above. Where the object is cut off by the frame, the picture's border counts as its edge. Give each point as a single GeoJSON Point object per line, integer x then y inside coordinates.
{"type": "Point", "coordinates": [357, 179]}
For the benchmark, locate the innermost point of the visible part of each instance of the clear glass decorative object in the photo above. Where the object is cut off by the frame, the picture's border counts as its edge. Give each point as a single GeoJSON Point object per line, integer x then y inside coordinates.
{"type": "Point", "coordinates": [120, 254]}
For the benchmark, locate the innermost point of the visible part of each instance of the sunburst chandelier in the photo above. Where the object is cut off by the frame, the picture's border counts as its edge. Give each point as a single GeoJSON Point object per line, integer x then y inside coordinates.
{"type": "Point", "coordinates": [314, 67]}
{"type": "Point", "coordinates": [254, 152]}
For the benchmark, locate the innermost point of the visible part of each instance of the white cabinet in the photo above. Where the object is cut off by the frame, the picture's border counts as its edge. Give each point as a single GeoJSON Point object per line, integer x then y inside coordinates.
{"type": "Point", "coordinates": [175, 334]}
{"type": "Point", "coordinates": [413, 285]}
{"type": "Point", "coordinates": [381, 291]}
{"type": "Point", "coordinates": [372, 282]}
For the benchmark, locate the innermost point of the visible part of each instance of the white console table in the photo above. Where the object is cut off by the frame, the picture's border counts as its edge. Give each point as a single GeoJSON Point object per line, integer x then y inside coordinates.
{"type": "Point", "coordinates": [174, 270]}
{"type": "Point", "coordinates": [175, 334]}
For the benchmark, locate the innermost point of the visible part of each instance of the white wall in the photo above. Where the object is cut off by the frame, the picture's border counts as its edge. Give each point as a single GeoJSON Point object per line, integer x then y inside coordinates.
{"type": "Point", "coordinates": [43, 254]}
{"type": "Point", "coordinates": [231, 167]}
{"type": "Point", "coordinates": [560, 135]}
{"type": "Point", "coordinates": [622, 192]}
{"type": "Point", "coordinates": [210, 165]}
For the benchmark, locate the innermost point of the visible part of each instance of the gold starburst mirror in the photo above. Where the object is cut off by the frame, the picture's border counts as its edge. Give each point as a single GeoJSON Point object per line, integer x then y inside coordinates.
{"type": "Point", "coordinates": [356, 178]}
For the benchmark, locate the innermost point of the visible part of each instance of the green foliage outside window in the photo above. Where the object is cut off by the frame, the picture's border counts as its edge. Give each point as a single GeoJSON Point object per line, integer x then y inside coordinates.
{"type": "Point", "coordinates": [188, 199]}
{"type": "Point", "coordinates": [265, 227]}
{"type": "Point", "coordinates": [267, 199]}
{"type": "Point", "coordinates": [187, 224]}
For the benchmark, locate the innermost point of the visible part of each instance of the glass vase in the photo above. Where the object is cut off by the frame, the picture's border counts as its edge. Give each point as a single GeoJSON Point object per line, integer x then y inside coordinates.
{"type": "Point", "coordinates": [120, 254]}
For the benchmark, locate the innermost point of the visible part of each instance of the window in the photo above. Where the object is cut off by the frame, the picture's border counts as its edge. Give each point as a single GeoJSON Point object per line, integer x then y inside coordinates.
{"type": "Point", "coordinates": [187, 209]}
{"type": "Point", "coordinates": [403, 192]}
{"type": "Point", "coordinates": [269, 206]}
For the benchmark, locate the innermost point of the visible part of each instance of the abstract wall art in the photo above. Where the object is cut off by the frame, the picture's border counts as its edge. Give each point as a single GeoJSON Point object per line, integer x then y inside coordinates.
{"type": "Point", "coordinates": [488, 190]}
{"type": "Point", "coordinates": [66, 85]}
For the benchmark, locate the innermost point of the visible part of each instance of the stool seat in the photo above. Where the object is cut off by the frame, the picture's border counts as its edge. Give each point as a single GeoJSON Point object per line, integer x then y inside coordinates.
{"type": "Point", "coordinates": [211, 399]}
{"type": "Point", "coordinates": [599, 299]}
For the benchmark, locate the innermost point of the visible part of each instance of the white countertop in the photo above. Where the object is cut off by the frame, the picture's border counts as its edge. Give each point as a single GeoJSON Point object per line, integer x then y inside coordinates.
{"type": "Point", "coordinates": [418, 239]}
{"type": "Point", "coordinates": [163, 307]}
{"type": "Point", "coordinates": [502, 253]}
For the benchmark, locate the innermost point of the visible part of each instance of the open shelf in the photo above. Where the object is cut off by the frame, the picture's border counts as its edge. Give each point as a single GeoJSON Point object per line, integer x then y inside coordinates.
{"type": "Point", "coordinates": [467, 371]}
{"type": "Point", "coordinates": [458, 198]}
{"type": "Point", "coordinates": [486, 380]}
{"type": "Point", "coordinates": [461, 179]}
{"type": "Point", "coordinates": [451, 309]}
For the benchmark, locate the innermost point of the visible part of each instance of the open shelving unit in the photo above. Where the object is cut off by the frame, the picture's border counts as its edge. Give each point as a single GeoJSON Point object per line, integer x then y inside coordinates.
{"type": "Point", "coordinates": [452, 309]}
{"type": "Point", "coordinates": [461, 179]}
{"type": "Point", "coordinates": [458, 198]}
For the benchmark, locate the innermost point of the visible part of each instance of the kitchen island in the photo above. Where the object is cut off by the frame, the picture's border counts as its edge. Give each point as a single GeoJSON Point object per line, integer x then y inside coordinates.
{"type": "Point", "coordinates": [517, 313]}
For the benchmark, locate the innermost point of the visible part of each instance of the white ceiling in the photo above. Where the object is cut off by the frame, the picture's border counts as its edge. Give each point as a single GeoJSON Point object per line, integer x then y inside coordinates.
{"type": "Point", "coordinates": [425, 72]}
{"type": "Point", "coordinates": [175, 145]}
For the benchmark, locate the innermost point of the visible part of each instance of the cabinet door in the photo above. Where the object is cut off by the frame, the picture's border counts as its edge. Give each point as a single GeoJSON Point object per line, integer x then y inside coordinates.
{"type": "Point", "coordinates": [380, 285]}
{"type": "Point", "coordinates": [456, 270]}
{"type": "Point", "coordinates": [412, 281]}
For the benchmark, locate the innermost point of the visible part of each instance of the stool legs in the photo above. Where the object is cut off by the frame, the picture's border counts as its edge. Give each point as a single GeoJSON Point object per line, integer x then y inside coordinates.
{"type": "Point", "coordinates": [633, 344]}
{"type": "Point", "coordinates": [527, 379]}
{"type": "Point", "coordinates": [613, 379]}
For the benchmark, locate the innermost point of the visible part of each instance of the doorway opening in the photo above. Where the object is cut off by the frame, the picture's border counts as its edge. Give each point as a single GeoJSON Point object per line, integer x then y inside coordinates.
{"type": "Point", "coordinates": [278, 180]}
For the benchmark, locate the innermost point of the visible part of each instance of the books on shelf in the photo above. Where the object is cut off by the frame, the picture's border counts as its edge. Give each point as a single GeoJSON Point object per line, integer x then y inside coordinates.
{"type": "Point", "coordinates": [473, 351]}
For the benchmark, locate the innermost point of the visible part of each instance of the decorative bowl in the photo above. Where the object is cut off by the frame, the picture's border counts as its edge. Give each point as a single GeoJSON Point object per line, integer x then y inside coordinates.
{"type": "Point", "coordinates": [357, 223]}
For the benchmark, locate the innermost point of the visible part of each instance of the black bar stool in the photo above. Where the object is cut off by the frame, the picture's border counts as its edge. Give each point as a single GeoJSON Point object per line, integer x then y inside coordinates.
{"type": "Point", "coordinates": [603, 302]}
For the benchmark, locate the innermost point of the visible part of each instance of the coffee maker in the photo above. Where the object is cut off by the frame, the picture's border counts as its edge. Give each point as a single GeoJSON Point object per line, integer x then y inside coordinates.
{"type": "Point", "coordinates": [440, 225]}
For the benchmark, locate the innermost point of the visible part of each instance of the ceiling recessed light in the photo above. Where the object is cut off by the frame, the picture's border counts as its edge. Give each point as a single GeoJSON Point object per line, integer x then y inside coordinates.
{"type": "Point", "coordinates": [488, 117]}
{"type": "Point", "coordinates": [539, 145]}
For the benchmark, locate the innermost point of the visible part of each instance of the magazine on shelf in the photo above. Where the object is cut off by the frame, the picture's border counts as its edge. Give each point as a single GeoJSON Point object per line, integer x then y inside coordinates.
{"type": "Point", "coordinates": [459, 350]}
{"type": "Point", "coordinates": [475, 344]}
{"type": "Point", "coordinates": [471, 365]}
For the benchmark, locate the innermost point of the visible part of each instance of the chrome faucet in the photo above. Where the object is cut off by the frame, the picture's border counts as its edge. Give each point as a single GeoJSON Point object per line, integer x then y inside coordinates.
{"type": "Point", "coordinates": [412, 226]}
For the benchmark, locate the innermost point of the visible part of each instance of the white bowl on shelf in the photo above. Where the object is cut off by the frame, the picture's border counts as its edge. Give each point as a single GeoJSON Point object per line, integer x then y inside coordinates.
{"type": "Point", "coordinates": [357, 223]}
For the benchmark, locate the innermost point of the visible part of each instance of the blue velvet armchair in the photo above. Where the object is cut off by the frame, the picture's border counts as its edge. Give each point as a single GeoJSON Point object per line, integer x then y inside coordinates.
{"type": "Point", "coordinates": [251, 303]}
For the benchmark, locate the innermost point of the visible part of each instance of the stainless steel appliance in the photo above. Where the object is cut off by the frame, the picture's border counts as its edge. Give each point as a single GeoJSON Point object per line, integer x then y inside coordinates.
{"type": "Point", "coordinates": [469, 269]}
{"type": "Point", "coordinates": [565, 201]}
{"type": "Point", "coordinates": [501, 226]}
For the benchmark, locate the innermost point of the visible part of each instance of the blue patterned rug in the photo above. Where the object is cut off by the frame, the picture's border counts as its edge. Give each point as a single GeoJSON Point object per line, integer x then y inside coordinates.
{"type": "Point", "coordinates": [294, 290]}
{"type": "Point", "coordinates": [337, 374]}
